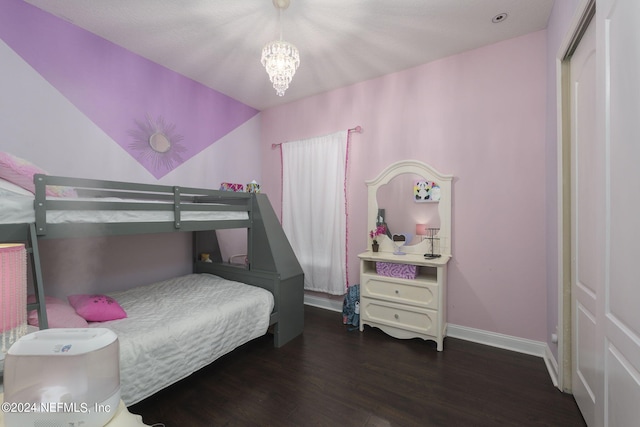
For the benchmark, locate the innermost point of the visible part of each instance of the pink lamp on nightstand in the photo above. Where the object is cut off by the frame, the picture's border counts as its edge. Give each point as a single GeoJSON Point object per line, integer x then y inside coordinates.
{"type": "Point", "coordinates": [421, 230]}
{"type": "Point", "coordinates": [13, 294]}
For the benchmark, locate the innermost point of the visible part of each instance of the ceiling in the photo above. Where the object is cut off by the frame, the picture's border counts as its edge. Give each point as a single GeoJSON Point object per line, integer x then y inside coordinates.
{"type": "Point", "coordinates": [218, 42]}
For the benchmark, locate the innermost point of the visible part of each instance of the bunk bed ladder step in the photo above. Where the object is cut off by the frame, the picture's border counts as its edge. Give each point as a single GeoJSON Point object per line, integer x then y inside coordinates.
{"type": "Point", "coordinates": [34, 253]}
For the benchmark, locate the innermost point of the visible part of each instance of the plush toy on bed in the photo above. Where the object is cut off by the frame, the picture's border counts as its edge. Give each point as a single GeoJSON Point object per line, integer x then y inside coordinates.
{"type": "Point", "coordinates": [205, 257]}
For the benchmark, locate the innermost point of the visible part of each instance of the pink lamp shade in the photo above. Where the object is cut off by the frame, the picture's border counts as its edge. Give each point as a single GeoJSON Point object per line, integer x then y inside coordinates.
{"type": "Point", "coordinates": [421, 229]}
{"type": "Point", "coordinates": [13, 293]}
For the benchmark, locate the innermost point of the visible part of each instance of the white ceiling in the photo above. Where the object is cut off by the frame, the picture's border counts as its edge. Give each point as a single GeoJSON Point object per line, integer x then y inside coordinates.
{"type": "Point", "coordinates": [218, 42]}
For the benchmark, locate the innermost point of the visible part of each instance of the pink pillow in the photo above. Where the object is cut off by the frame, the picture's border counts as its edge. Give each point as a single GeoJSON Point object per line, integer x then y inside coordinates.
{"type": "Point", "coordinates": [20, 172]}
{"type": "Point", "coordinates": [59, 314]}
{"type": "Point", "coordinates": [97, 308]}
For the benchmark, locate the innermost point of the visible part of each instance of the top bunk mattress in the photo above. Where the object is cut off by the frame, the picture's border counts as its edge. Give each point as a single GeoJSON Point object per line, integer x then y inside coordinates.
{"type": "Point", "coordinates": [16, 207]}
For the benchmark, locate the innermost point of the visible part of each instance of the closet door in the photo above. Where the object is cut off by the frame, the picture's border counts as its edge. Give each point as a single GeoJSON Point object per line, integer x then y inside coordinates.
{"type": "Point", "coordinates": [619, 46]}
{"type": "Point", "coordinates": [605, 232]}
{"type": "Point", "coordinates": [588, 231]}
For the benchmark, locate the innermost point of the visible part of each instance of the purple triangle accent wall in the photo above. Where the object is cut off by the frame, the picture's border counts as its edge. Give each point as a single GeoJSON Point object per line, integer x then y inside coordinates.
{"type": "Point", "coordinates": [161, 118]}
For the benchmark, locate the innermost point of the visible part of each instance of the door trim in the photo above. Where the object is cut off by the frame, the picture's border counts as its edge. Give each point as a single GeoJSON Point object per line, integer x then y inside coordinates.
{"type": "Point", "coordinates": [585, 12]}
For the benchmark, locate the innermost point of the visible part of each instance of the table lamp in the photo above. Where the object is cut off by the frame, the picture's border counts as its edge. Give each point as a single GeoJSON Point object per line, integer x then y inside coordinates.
{"type": "Point", "coordinates": [13, 294]}
{"type": "Point", "coordinates": [421, 230]}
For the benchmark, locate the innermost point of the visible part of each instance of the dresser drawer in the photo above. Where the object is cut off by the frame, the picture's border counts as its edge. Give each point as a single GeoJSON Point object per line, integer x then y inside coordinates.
{"type": "Point", "coordinates": [419, 320]}
{"type": "Point", "coordinates": [420, 295]}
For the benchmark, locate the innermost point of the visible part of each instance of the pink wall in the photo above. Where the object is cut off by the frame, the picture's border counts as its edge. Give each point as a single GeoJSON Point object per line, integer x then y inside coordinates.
{"type": "Point", "coordinates": [479, 116]}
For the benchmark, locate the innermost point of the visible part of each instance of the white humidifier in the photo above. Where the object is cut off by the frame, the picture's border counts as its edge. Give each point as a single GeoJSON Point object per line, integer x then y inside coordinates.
{"type": "Point", "coordinates": [62, 378]}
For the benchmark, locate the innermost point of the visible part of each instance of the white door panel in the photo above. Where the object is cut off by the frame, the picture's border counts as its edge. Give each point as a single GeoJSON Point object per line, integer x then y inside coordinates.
{"type": "Point", "coordinates": [623, 390]}
{"type": "Point", "coordinates": [604, 98]}
{"type": "Point", "coordinates": [585, 359]}
{"type": "Point", "coordinates": [620, 35]}
{"type": "Point", "coordinates": [588, 209]}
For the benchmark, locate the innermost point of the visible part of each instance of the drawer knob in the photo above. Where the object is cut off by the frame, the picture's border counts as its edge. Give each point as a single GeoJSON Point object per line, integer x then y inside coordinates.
{"type": "Point", "coordinates": [397, 292]}
{"type": "Point", "coordinates": [396, 316]}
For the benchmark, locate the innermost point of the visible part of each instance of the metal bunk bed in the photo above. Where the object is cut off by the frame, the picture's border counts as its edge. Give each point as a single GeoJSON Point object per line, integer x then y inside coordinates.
{"type": "Point", "coordinates": [271, 265]}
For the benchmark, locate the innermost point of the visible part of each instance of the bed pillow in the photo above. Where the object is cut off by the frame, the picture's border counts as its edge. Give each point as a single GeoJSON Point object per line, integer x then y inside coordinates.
{"type": "Point", "coordinates": [59, 314]}
{"type": "Point", "coordinates": [97, 308]}
{"type": "Point", "coordinates": [20, 172]}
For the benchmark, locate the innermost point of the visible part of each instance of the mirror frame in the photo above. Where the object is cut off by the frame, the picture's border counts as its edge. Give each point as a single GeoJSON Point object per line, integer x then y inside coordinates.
{"type": "Point", "coordinates": [444, 205]}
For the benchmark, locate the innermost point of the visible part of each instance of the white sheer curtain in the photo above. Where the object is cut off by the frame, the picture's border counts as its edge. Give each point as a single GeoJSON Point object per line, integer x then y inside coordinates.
{"type": "Point", "coordinates": [314, 209]}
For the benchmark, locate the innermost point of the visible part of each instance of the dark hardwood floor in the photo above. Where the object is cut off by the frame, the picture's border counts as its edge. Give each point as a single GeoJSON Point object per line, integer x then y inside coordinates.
{"type": "Point", "coordinates": [331, 376]}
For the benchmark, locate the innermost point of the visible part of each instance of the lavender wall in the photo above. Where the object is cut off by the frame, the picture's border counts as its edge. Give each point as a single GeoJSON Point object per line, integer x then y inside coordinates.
{"type": "Point", "coordinates": [48, 116]}
{"type": "Point", "coordinates": [479, 116]}
{"type": "Point", "coordinates": [127, 96]}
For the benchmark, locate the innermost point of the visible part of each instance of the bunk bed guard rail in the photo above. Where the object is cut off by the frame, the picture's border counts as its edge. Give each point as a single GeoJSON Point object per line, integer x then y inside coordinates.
{"type": "Point", "coordinates": [173, 208]}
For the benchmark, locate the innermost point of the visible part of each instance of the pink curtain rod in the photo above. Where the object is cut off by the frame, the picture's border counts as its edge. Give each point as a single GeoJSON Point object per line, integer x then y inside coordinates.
{"type": "Point", "coordinates": [357, 129]}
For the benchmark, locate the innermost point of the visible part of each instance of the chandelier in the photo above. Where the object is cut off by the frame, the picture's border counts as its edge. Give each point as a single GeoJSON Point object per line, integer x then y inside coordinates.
{"type": "Point", "coordinates": [280, 58]}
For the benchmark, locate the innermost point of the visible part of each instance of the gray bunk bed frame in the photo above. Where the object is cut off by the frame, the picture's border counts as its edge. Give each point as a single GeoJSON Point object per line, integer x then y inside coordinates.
{"type": "Point", "coordinates": [271, 265]}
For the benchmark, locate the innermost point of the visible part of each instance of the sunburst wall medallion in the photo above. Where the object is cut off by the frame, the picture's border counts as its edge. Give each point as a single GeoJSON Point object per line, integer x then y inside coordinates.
{"type": "Point", "coordinates": [156, 144]}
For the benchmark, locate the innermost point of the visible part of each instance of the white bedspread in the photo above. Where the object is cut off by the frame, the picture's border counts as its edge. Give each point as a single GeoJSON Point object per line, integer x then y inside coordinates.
{"type": "Point", "coordinates": [180, 325]}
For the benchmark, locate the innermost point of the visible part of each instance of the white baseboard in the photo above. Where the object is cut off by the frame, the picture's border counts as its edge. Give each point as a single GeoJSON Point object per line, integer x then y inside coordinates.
{"type": "Point", "coordinates": [521, 345]}
{"type": "Point", "coordinates": [320, 302]}
{"type": "Point", "coordinates": [552, 366]}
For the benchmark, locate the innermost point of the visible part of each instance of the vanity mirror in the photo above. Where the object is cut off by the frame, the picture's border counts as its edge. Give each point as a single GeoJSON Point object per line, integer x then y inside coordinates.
{"type": "Point", "coordinates": [410, 197]}
{"type": "Point", "coordinates": [405, 206]}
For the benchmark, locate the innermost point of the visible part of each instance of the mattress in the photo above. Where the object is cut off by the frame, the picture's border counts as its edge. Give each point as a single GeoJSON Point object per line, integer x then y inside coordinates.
{"type": "Point", "coordinates": [175, 327]}
{"type": "Point", "coordinates": [16, 206]}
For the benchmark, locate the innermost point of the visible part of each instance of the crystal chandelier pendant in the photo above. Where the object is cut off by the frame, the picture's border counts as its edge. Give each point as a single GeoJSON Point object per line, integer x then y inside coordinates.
{"type": "Point", "coordinates": [281, 60]}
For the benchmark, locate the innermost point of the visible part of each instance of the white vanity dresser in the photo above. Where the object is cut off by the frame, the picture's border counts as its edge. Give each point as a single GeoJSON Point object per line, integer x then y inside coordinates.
{"type": "Point", "coordinates": [402, 292]}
